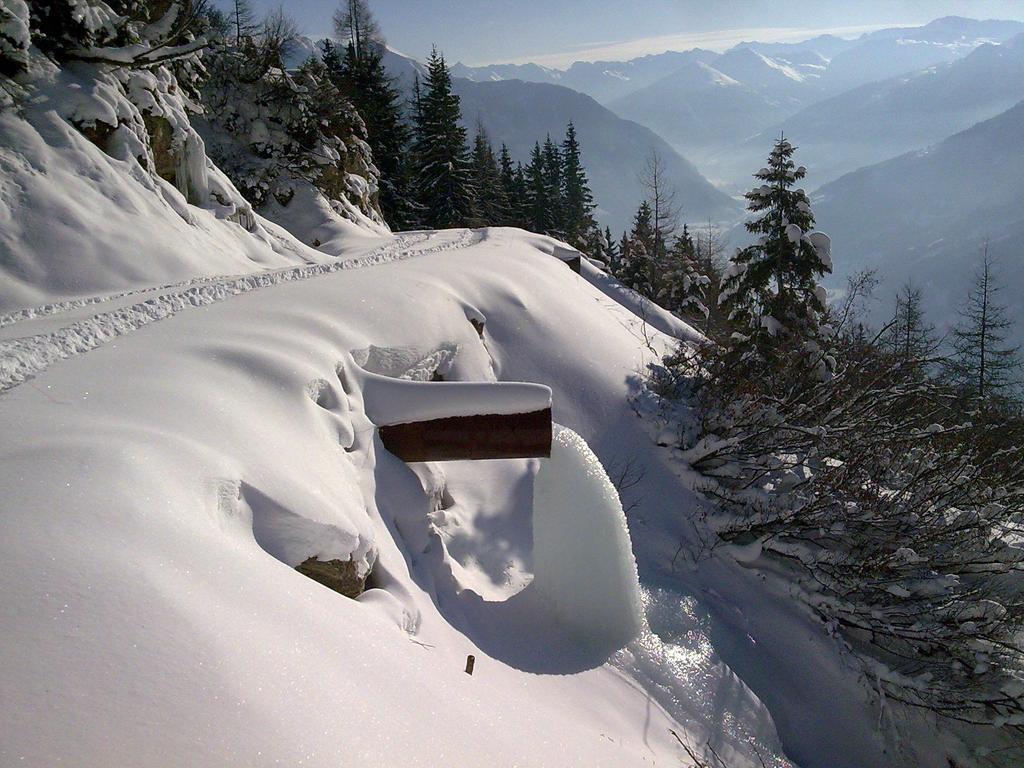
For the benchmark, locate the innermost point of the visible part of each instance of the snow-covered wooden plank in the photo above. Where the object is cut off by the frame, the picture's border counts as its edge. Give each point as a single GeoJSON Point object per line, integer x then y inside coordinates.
{"type": "Point", "coordinates": [570, 256]}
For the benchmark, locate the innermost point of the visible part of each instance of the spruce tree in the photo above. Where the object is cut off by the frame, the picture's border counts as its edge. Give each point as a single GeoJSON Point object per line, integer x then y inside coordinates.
{"type": "Point", "coordinates": [362, 77]}
{"type": "Point", "coordinates": [620, 266]}
{"type": "Point", "coordinates": [552, 173]}
{"type": "Point", "coordinates": [492, 199]}
{"type": "Point", "coordinates": [510, 184]}
{"type": "Point", "coordinates": [444, 184]}
{"type": "Point", "coordinates": [639, 267]}
{"type": "Point", "coordinates": [577, 199]}
{"type": "Point", "coordinates": [519, 200]}
{"type": "Point", "coordinates": [538, 199]}
{"type": "Point", "coordinates": [683, 284]}
{"type": "Point", "coordinates": [612, 254]}
{"type": "Point", "coordinates": [771, 288]}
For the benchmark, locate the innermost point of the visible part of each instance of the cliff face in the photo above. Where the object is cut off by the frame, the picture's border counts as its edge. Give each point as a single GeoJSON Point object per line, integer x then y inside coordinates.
{"type": "Point", "coordinates": [275, 132]}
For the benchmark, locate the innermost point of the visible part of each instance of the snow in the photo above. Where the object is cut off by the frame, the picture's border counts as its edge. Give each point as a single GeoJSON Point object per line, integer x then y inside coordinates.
{"type": "Point", "coordinates": [781, 66]}
{"type": "Point", "coordinates": [190, 408]}
{"type": "Point", "coordinates": [716, 77]}
{"type": "Point", "coordinates": [72, 220]}
{"type": "Point", "coordinates": [14, 29]}
{"type": "Point", "coordinates": [393, 401]}
{"type": "Point", "coordinates": [582, 554]}
{"type": "Point", "coordinates": [643, 311]}
{"type": "Point", "coordinates": [822, 245]}
{"type": "Point", "coordinates": [209, 452]}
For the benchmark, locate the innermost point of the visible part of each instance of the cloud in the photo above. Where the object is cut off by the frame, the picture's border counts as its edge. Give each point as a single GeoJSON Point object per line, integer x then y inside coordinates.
{"type": "Point", "coordinates": [718, 40]}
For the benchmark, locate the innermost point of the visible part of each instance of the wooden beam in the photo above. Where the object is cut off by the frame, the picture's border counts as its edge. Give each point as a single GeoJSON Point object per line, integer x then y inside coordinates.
{"type": "Point", "coordinates": [488, 436]}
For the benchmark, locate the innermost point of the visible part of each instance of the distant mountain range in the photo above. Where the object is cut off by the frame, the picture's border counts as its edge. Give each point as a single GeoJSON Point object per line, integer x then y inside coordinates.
{"type": "Point", "coordinates": [709, 105]}
{"type": "Point", "coordinates": [884, 119]}
{"type": "Point", "coordinates": [826, 64]}
{"type": "Point", "coordinates": [603, 80]}
{"type": "Point", "coordinates": [926, 215]}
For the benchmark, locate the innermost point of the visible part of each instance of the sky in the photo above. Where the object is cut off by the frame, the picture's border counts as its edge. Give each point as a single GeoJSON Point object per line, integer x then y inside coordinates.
{"type": "Point", "coordinates": [558, 32]}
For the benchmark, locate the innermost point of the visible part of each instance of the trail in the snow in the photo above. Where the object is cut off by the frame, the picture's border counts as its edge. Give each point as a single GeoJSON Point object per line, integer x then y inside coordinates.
{"type": "Point", "coordinates": [23, 358]}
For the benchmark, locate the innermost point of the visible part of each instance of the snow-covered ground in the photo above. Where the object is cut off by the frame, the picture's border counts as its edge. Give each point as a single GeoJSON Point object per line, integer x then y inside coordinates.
{"type": "Point", "coordinates": [156, 477]}
{"type": "Point", "coordinates": [189, 410]}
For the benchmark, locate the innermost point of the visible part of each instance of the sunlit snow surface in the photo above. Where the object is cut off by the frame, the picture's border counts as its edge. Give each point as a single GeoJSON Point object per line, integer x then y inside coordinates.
{"type": "Point", "coordinates": [677, 664]}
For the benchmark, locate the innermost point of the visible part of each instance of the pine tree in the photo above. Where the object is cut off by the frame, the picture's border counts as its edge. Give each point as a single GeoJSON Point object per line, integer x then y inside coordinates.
{"type": "Point", "coordinates": [492, 199]}
{"type": "Point", "coordinates": [577, 199]}
{"type": "Point", "coordinates": [984, 363]}
{"type": "Point", "coordinates": [519, 200]}
{"type": "Point", "coordinates": [683, 284]}
{"type": "Point", "coordinates": [620, 267]}
{"type": "Point", "coordinates": [597, 247]}
{"type": "Point", "coordinates": [552, 174]}
{"type": "Point", "coordinates": [612, 253]}
{"type": "Point", "coordinates": [910, 336]}
{"type": "Point", "coordinates": [362, 77]}
{"type": "Point", "coordinates": [444, 185]}
{"type": "Point", "coordinates": [771, 288]}
{"type": "Point", "coordinates": [515, 194]}
{"type": "Point", "coordinates": [333, 62]}
{"type": "Point", "coordinates": [538, 200]}
{"type": "Point", "coordinates": [639, 269]}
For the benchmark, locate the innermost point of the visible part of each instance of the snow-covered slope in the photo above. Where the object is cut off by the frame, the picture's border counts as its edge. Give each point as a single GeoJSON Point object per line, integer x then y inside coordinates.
{"type": "Point", "coordinates": [148, 534]}
{"type": "Point", "coordinates": [189, 412]}
{"type": "Point", "coordinates": [76, 220]}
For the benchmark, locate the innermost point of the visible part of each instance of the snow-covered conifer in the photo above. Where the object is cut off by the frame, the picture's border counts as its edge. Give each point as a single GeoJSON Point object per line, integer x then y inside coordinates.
{"type": "Point", "coordinates": [492, 200]}
{"type": "Point", "coordinates": [444, 184]}
{"type": "Point", "coordinates": [770, 288]}
{"type": "Point", "coordinates": [639, 267]}
{"type": "Point", "coordinates": [683, 284]}
{"type": "Point", "coordinates": [577, 199]}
